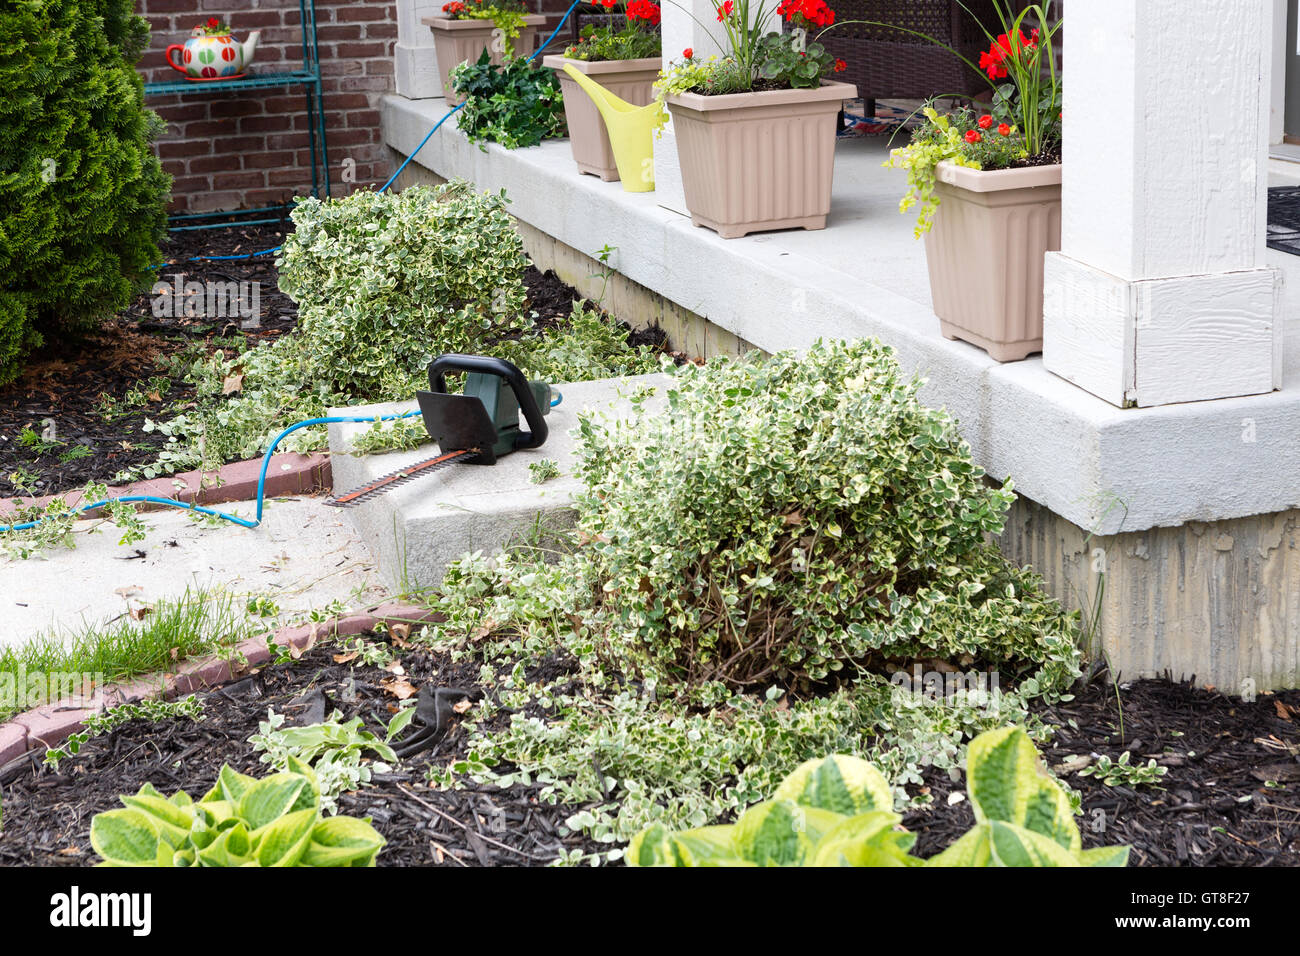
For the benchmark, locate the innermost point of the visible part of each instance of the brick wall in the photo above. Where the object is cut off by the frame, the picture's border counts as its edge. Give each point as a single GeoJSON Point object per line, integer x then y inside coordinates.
{"type": "Point", "coordinates": [247, 149]}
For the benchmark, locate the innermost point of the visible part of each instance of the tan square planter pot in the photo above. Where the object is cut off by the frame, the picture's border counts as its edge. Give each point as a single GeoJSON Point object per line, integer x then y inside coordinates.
{"type": "Point", "coordinates": [985, 253]}
{"type": "Point", "coordinates": [631, 80]}
{"type": "Point", "coordinates": [757, 161]}
{"type": "Point", "coordinates": [458, 41]}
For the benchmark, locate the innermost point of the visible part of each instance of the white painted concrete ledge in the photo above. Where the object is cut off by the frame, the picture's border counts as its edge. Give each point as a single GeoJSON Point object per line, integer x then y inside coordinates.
{"type": "Point", "coordinates": [1104, 468]}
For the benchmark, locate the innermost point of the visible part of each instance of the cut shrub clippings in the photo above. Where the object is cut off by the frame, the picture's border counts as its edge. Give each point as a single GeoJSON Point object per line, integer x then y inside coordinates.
{"type": "Point", "coordinates": [753, 567]}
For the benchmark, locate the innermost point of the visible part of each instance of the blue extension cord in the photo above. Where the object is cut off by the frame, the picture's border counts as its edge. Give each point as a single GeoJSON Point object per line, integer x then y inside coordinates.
{"type": "Point", "coordinates": [266, 459]}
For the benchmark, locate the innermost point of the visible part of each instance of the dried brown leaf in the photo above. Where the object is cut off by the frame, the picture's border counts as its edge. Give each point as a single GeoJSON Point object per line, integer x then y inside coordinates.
{"type": "Point", "coordinates": [296, 652]}
{"type": "Point", "coordinates": [399, 687]}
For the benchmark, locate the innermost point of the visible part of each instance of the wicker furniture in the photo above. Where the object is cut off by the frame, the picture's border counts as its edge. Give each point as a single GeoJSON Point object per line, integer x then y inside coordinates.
{"type": "Point", "coordinates": [889, 64]}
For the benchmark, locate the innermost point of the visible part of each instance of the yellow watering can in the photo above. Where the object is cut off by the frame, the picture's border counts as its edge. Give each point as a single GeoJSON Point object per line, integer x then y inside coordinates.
{"type": "Point", "coordinates": [631, 133]}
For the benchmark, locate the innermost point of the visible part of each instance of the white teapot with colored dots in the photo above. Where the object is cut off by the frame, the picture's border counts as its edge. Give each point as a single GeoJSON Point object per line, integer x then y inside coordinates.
{"type": "Point", "coordinates": [213, 53]}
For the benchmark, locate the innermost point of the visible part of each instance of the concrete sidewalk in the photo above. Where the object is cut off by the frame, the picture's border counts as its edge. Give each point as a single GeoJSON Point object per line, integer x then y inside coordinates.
{"type": "Point", "coordinates": [302, 557]}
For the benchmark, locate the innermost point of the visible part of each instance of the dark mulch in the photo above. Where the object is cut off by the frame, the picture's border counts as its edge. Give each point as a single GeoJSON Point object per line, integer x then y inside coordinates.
{"type": "Point", "coordinates": [1214, 808]}
{"type": "Point", "coordinates": [47, 815]}
{"type": "Point", "coordinates": [67, 381]}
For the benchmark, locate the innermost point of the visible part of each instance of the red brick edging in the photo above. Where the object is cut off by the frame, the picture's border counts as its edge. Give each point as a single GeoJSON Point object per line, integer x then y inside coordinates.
{"type": "Point", "coordinates": [288, 474]}
{"type": "Point", "coordinates": [50, 724]}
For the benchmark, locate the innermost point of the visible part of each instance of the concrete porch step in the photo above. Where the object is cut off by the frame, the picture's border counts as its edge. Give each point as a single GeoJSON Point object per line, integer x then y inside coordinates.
{"type": "Point", "coordinates": [417, 528]}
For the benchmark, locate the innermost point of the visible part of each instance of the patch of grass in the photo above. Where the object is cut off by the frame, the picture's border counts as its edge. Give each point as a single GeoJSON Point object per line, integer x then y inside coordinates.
{"type": "Point", "coordinates": [75, 453]}
{"type": "Point", "coordinates": [197, 623]}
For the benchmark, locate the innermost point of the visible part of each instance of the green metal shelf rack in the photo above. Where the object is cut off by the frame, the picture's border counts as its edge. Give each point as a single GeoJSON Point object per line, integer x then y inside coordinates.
{"type": "Point", "coordinates": [309, 78]}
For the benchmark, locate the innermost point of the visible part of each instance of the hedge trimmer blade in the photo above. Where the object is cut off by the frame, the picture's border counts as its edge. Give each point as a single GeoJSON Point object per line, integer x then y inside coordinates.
{"type": "Point", "coordinates": [379, 486]}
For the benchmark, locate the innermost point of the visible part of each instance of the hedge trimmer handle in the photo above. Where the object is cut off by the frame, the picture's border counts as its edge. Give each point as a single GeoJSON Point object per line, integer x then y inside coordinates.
{"type": "Point", "coordinates": [487, 365]}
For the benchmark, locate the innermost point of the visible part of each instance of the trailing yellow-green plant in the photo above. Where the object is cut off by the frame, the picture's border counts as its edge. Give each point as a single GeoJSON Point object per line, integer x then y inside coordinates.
{"type": "Point", "coordinates": [838, 811]}
{"type": "Point", "coordinates": [1023, 126]}
{"type": "Point", "coordinates": [506, 15]}
{"type": "Point", "coordinates": [241, 821]}
{"type": "Point", "coordinates": [937, 140]}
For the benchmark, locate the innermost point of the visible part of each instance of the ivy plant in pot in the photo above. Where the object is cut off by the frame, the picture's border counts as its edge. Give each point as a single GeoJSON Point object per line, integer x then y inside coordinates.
{"type": "Point", "coordinates": [624, 58]}
{"type": "Point", "coordinates": [756, 126]}
{"type": "Point", "coordinates": [466, 28]}
{"type": "Point", "coordinates": [987, 182]}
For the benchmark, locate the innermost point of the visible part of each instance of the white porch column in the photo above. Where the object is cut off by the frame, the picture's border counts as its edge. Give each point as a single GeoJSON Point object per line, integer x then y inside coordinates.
{"type": "Point", "coordinates": [1160, 293]}
{"type": "Point", "coordinates": [679, 32]}
{"type": "Point", "coordinates": [415, 66]}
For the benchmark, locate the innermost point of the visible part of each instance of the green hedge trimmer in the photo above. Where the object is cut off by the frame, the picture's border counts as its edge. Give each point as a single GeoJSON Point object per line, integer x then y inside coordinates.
{"type": "Point", "coordinates": [475, 427]}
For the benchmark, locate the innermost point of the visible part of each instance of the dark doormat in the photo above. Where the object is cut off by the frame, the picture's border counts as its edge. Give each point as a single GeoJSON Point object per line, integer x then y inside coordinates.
{"type": "Point", "coordinates": [1284, 219]}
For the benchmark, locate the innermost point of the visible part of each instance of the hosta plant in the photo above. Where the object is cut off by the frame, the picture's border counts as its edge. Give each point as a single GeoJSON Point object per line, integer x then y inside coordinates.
{"type": "Point", "coordinates": [241, 821]}
{"type": "Point", "coordinates": [1022, 816]}
{"type": "Point", "coordinates": [839, 812]}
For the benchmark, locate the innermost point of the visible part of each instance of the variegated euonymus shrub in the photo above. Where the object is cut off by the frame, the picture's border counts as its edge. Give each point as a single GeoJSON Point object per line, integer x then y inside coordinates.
{"type": "Point", "coordinates": [387, 281]}
{"type": "Point", "coordinates": [839, 812]}
{"type": "Point", "coordinates": [789, 517]}
{"type": "Point", "coordinates": [241, 821]}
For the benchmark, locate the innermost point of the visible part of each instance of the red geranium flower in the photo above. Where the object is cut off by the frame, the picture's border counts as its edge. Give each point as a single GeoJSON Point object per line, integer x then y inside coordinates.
{"type": "Point", "coordinates": [806, 12]}
{"type": "Point", "coordinates": [973, 136]}
{"type": "Point", "coordinates": [1002, 48]}
{"type": "Point", "coordinates": [1004, 129]}
{"type": "Point", "coordinates": [214, 22]}
{"type": "Point", "coordinates": [725, 10]}
{"type": "Point", "coordinates": [644, 10]}
{"type": "Point", "coordinates": [840, 66]}
{"type": "Point", "coordinates": [688, 53]}
{"type": "Point", "coordinates": [985, 121]}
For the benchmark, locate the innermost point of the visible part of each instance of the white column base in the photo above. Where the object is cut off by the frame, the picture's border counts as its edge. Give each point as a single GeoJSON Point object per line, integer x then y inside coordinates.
{"type": "Point", "coordinates": [416, 73]}
{"type": "Point", "coordinates": [668, 172]}
{"type": "Point", "coordinates": [1163, 340]}
{"type": "Point", "coordinates": [415, 66]}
